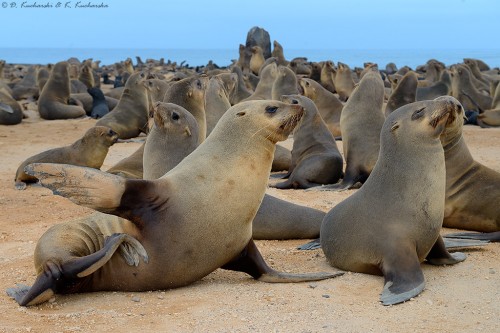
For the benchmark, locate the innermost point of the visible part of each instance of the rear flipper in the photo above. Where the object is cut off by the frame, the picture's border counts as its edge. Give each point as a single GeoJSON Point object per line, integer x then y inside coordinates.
{"type": "Point", "coordinates": [64, 276]}
{"type": "Point", "coordinates": [440, 256]}
{"type": "Point", "coordinates": [295, 183]}
{"type": "Point", "coordinates": [312, 245]}
{"type": "Point", "coordinates": [403, 276]}
{"type": "Point", "coordinates": [348, 182]}
{"type": "Point", "coordinates": [453, 243]}
{"type": "Point", "coordinates": [484, 236]}
{"type": "Point", "coordinates": [250, 261]}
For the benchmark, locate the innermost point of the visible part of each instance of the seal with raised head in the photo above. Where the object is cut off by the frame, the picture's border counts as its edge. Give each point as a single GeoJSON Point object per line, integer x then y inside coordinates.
{"type": "Point", "coordinates": [316, 159]}
{"type": "Point", "coordinates": [89, 151]}
{"type": "Point", "coordinates": [216, 101]}
{"type": "Point", "coordinates": [263, 90]}
{"type": "Point", "coordinates": [53, 101]}
{"type": "Point", "coordinates": [190, 94]}
{"type": "Point", "coordinates": [284, 84]}
{"type": "Point", "coordinates": [472, 189]}
{"type": "Point", "coordinates": [360, 123]}
{"type": "Point", "coordinates": [329, 106]}
{"type": "Point", "coordinates": [390, 225]}
{"type": "Point", "coordinates": [100, 107]}
{"type": "Point", "coordinates": [181, 232]}
{"type": "Point", "coordinates": [466, 93]}
{"type": "Point", "coordinates": [404, 93]}
{"type": "Point", "coordinates": [344, 83]}
{"type": "Point", "coordinates": [130, 117]}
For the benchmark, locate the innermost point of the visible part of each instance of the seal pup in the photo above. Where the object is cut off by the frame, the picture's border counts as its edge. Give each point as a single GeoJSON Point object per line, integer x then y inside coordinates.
{"type": "Point", "coordinates": [53, 101]}
{"type": "Point", "coordinates": [172, 225]}
{"type": "Point", "coordinates": [27, 87]}
{"type": "Point", "coordinates": [11, 112]}
{"type": "Point", "coordinates": [99, 105]}
{"type": "Point", "coordinates": [316, 159]}
{"type": "Point", "coordinates": [472, 189]}
{"type": "Point", "coordinates": [404, 93]}
{"type": "Point", "coordinates": [369, 233]}
{"type": "Point", "coordinates": [89, 151]}
{"type": "Point", "coordinates": [130, 117]}
{"type": "Point", "coordinates": [190, 94]}
{"type": "Point", "coordinates": [360, 123]}
{"type": "Point", "coordinates": [329, 106]}
{"type": "Point", "coordinates": [327, 76]}
{"type": "Point", "coordinates": [87, 101]}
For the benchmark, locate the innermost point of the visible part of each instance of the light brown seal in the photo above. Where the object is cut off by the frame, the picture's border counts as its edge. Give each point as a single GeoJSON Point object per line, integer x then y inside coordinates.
{"type": "Point", "coordinates": [130, 117]}
{"type": "Point", "coordinates": [316, 159]}
{"type": "Point", "coordinates": [216, 102]}
{"type": "Point", "coordinates": [279, 54]}
{"type": "Point", "coordinates": [369, 233]}
{"type": "Point", "coordinates": [173, 136]}
{"type": "Point", "coordinates": [327, 76]}
{"type": "Point", "coordinates": [53, 101]}
{"type": "Point", "coordinates": [89, 151]}
{"type": "Point", "coordinates": [329, 106]}
{"type": "Point", "coordinates": [472, 189]}
{"type": "Point", "coordinates": [263, 90]}
{"type": "Point", "coordinates": [440, 88]}
{"type": "Point", "coordinates": [130, 167]}
{"type": "Point", "coordinates": [284, 84]}
{"type": "Point", "coordinates": [257, 59]}
{"type": "Point", "coordinates": [344, 84]}
{"type": "Point", "coordinates": [360, 123]}
{"type": "Point", "coordinates": [466, 93]}
{"type": "Point", "coordinates": [190, 94]}
{"type": "Point", "coordinates": [241, 91]}
{"type": "Point", "coordinates": [179, 231]}
{"type": "Point", "coordinates": [27, 87]}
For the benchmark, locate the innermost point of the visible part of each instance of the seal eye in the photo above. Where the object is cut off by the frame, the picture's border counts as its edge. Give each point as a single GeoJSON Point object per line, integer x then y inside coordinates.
{"type": "Point", "coordinates": [307, 84]}
{"type": "Point", "coordinates": [198, 84]}
{"type": "Point", "coordinates": [271, 109]}
{"type": "Point", "coordinates": [175, 116]}
{"type": "Point", "coordinates": [294, 101]}
{"type": "Point", "coordinates": [418, 114]}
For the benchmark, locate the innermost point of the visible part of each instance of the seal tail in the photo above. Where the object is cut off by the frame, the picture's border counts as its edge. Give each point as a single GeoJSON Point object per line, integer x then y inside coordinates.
{"type": "Point", "coordinates": [250, 261]}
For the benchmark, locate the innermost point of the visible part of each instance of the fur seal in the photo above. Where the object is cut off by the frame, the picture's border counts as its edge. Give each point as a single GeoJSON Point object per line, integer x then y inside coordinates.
{"type": "Point", "coordinates": [466, 93]}
{"type": "Point", "coordinates": [130, 117]}
{"type": "Point", "coordinates": [42, 76]}
{"type": "Point", "coordinates": [99, 105]}
{"type": "Point", "coordinates": [263, 90]}
{"type": "Point", "coordinates": [282, 159]}
{"type": "Point", "coordinates": [344, 84]}
{"type": "Point", "coordinates": [440, 88]}
{"type": "Point", "coordinates": [216, 101]}
{"type": "Point", "coordinates": [53, 101]}
{"type": "Point", "coordinates": [329, 106]}
{"type": "Point", "coordinates": [279, 54]}
{"type": "Point", "coordinates": [89, 151]}
{"type": "Point", "coordinates": [472, 189]}
{"type": "Point", "coordinates": [327, 76]}
{"type": "Point", "coordinates": [241, 91]}
{"type": "Point", "coordinates": [368, 233]}
{"type": "Point", "coordinates": [156, 89]}
{"type": "Point", "coordinates": [284, 84]}
{"type": "Point", "coordinates": [174, 134]}
{"type": "Point", "coordinates": [316, 159]}
{"type": "Point", "coordinates": [360, 123]}
{"type": "Point", "coordinates": [190, 94]}
{"type": "Point", "coordinates": [87, 101]}
{"type": "Point", "coordinates": [11, 112]}
{"type": "Point", "coordinates": [172, 225]}
{"type": "Point", "coordinates": [404, 93]}
{"type": "Point", "coordinates": [27, 87]}
{"type": "Point", "coordinates": [257, 59]}
{"type": "Point", "coordinates": [86, 76]}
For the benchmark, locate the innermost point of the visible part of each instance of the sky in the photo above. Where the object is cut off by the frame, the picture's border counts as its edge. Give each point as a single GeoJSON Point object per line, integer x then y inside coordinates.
{"type": "Point", "coordinates": [218, 24]}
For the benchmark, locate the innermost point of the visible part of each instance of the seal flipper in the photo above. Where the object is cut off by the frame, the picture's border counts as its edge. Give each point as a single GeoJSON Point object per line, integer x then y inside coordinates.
{"type": "Point", "coordinates": [403, 276]}
{"type": "Point", "coordinates": [312, 245]}
{"type": "Point", "coordinates": [440, 256]}
{"type": "Point", "coordinates": [55, 276]}
{"type": "Point", "coordinates": [250, 261]}
{"type": "Point", "coordinates": [484, 236]}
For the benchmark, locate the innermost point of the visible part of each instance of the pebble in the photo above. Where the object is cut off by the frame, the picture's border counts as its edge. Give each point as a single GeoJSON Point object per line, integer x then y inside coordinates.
{"type": "Point", "coordinates": [325, 296]}
{"type": "Point", "coordinates": [492, 271]}
{"type": "Point", "coordinates": [136, 299]}
{"type": "Point", "coordinates": [313, 285]}
{"type": "Point", "coordinates": [429, 302]}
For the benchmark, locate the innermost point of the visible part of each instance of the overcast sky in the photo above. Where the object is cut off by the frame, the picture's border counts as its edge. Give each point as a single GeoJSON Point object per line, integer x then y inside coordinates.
{"type": "Point", "coordinates": [218, 24]}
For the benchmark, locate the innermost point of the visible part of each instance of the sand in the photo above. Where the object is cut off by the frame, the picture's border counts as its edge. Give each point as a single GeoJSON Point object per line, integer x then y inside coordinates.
{"type": "Point", "coordinates": [460, 298]}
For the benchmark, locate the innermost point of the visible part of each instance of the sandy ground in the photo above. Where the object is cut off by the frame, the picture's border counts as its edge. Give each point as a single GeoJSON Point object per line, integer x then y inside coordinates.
{"type": "Point", "coordinates": [460, 298]}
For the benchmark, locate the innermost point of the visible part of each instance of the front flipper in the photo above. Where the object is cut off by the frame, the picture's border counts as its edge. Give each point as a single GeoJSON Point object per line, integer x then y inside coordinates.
{"type": "Point", "coordinates": [403, 276]}
{"type": "Point", "coordinates": [84, 186]}
{"type": "Point", "coordinates": [312, 245]}
{"type": "Point", "coordinates": [64, 277]}
{"type": "Point", "coordinates": [250, 261]}
{"type": "Point", "coordinates": [484, 236]}
{"type": "Point", "coordinates": [440, 256]}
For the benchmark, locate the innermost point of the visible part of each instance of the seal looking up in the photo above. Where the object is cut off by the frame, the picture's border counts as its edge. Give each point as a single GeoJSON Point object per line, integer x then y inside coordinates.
{"type": "Point", "coordinates": [190, 222]}
{"type": "Point", "coordinates": [392, 223]}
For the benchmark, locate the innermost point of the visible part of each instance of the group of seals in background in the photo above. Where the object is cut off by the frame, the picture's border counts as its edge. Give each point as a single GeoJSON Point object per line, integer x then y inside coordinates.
{"type": "Point", "coordinates": [179, 107]}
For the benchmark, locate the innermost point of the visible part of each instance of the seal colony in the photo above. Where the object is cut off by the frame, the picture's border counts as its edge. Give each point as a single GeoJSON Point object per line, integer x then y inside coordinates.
{"type": "Point", "coordinates": [345, 104]}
